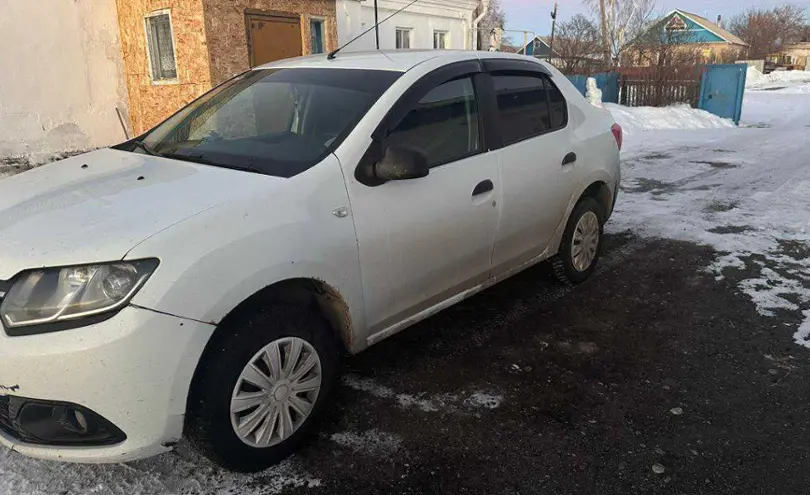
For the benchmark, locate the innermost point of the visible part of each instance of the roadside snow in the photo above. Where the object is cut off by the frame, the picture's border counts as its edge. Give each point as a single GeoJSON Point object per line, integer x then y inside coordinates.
{"type": "Point", "coordinates": [638, 119]}
{"type": "Point", "coordinates": [744, 191]}
{"type": "Point", "coordinates": [756, 79]}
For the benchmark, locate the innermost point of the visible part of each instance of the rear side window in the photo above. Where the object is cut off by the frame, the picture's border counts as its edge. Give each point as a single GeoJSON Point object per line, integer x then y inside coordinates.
{"type": "Point", "coordinates": [558, 106]}
{"type": "Point", "coordinates": [529, 105]}
{"type": "Point", "coordinates": [444, 124]}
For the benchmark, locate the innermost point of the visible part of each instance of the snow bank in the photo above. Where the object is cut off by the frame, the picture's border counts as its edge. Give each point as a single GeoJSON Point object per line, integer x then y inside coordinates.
{"type": "Point", "coordinates": [636, 119]}
{"type": "Point", "coordinates": [756, 79]}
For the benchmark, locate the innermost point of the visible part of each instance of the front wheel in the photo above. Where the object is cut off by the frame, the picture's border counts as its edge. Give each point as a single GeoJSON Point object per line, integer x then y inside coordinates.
{"type": "Point", "coordinates": [581, 243]}
{"type": "Point", "coordinates": [260, 386]}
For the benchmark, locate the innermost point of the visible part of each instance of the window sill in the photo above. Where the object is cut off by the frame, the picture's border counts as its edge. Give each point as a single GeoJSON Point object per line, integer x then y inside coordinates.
{"type": "Point", "coordinates": [164, 82]}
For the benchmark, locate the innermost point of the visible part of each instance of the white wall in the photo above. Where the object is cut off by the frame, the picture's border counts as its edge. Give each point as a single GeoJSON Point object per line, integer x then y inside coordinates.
{"type": "Point", "coordinates": [453, 16]}
{"type": "Point", "coordinates": [61, 77]}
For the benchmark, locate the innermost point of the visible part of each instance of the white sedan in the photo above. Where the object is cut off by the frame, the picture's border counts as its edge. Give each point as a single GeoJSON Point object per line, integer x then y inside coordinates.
{"type": "Point", "coordinates": [203, 279]}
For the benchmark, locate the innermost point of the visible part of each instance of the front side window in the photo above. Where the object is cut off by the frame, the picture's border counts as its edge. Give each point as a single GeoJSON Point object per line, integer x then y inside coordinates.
{"type": "Point", "coordinates": [160, 44]}
{"type": "Point", "coordinates": [444, 124]}
{"type": "Point", "coordinates": [528, 105]}
{"type": "Point", "coordinates": [403, 38]}
{"type": "Point", "coordinates": [277, 122]}
{"type": "Point", "coordinates": [440, 40]}
{"type": "Point", "coordinates": [316, 33]}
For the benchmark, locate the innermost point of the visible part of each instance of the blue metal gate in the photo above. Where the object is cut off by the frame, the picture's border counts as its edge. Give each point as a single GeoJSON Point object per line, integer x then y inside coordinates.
{"type": "Point", "coordinates": [607, 82]}
{"type": "Point", "coordinates": [721, 90]}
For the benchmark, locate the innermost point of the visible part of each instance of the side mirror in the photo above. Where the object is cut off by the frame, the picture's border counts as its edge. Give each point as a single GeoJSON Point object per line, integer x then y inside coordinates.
{"type": "Point", "coordinates": [401, 163]}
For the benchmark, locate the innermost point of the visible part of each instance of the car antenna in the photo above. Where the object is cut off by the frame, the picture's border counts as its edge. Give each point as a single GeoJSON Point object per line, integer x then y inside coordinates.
{"type": "Point", "coordinates": [334, 52]}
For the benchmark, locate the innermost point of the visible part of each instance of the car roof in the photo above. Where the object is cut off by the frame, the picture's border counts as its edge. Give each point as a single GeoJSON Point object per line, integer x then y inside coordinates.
{"type": "Point", "coordinates": [392, 60]}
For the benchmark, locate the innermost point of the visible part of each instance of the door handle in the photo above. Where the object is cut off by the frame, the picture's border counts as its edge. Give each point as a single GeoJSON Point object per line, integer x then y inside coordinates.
{"type": "Point", "coordinates": [569, 158]}
{"type": "Point", "coordinates": [483, 187]}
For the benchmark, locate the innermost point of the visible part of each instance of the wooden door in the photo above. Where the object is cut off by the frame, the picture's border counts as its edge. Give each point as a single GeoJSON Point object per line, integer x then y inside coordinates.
{"type": "Point", "coordinates": [273, 37]}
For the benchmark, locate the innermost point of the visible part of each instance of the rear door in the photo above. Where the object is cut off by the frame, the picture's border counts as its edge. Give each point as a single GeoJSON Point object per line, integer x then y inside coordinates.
{"type": "Point", "coordinates": [536, 163]}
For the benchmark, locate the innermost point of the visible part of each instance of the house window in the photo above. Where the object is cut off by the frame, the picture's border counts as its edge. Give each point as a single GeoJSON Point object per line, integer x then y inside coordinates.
{"type": "Point", "coordinates": [403, 38]}
{"type": "Point", "coordinates": [440, 40]}
{"type": "Point", "coordinates": [160, 47]}
{"type": "Point", "coordinates": [316, 33]}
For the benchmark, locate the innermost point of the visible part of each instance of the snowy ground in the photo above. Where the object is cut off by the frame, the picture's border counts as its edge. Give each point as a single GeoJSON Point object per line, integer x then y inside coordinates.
{"type": "Point", "coordinates": [756, 79]}
{"type": "Point", "coordinates": [656, 364]}
{"type": "Point", "coordinates": [744, 191]}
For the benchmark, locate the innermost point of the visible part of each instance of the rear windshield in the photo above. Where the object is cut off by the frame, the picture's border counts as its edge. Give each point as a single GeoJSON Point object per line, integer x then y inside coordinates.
{"type": "Point", "coordinates": [277, 122]}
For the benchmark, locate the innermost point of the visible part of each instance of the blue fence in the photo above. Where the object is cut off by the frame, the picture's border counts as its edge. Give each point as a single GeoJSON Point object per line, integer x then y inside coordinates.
{"type": "Point", "coordinates": [607, 82]}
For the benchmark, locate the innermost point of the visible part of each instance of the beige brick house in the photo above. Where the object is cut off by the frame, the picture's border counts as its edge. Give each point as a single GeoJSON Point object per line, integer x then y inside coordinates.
{"type": "Point", "coordinates": [175, 50]}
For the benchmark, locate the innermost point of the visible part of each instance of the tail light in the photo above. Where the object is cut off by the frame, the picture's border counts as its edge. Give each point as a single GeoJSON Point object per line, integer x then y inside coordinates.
{"type": "Point", "coordinates": [617, 133]}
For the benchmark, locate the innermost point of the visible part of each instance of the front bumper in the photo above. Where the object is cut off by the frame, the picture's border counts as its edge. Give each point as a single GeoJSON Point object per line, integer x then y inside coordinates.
{"type": "Point", "coordinates": [134, 370]}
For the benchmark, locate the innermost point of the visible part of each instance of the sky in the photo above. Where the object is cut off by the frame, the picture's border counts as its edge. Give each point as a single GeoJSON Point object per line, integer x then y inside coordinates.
{"type": "Point", "coordinates": [534, 15]}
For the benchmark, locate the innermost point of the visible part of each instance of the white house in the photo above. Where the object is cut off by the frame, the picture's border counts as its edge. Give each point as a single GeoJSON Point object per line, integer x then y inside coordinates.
{"type": "Point", "coordinates": [61, 77]}
{"type": "Point", "coordinates": [440, 24]}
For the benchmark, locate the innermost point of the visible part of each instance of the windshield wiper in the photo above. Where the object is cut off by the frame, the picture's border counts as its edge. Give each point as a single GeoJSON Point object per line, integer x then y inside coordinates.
{"type": "Point", "coordinates": [145, 147]}
{"type": "Point", "coordinates": [200, 158]}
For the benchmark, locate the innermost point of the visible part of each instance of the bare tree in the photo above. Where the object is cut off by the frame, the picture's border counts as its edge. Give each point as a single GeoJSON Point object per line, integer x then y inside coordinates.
{"type": "Point", "coordinates": [767, 30]}
{"type": "Point", "coordinates": [495, 19]}
{"type": "Point", "coordinates": [624, 21]}
{"type": "Point", "coordinates": [577, 44]}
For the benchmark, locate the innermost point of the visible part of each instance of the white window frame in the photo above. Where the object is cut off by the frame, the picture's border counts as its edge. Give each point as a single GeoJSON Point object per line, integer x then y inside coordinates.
{"type": "Point", "coordinates": [405, 29]}
{"type": "Point", "coordinates": [158, 82]}
{"type": "Point", "coordinates": [322, 21]}
{"type": "Point", "coordinates": [445, 36]}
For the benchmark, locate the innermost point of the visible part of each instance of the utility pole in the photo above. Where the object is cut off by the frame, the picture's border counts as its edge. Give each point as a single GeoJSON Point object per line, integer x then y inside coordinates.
{"type": "Point", "coordinates": [605, 43]}
{"type": "Point", "coordinates": [553, 26]}
{"type": "Point", "coordinates": [377, 22]}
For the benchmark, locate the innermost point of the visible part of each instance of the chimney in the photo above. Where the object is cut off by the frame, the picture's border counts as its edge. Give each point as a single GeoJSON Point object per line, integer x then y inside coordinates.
{"type": "Point", "coordinates": [719, 20]}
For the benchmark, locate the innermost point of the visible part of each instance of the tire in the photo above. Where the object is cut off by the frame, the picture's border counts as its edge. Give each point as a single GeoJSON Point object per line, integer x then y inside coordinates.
{"type": "Point", "coordinates": [210, 426]}
{"type": "Point", "coordinates": [567, 268]}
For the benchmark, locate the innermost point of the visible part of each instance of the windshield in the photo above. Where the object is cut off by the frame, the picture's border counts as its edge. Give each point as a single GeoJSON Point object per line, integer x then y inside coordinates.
{"type": "Point", "coordinates": [277, 122]}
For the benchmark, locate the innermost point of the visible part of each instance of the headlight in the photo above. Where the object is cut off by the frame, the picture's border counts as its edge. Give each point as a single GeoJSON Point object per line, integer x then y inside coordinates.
{"type": "Point", "coordinates": [57, 295]}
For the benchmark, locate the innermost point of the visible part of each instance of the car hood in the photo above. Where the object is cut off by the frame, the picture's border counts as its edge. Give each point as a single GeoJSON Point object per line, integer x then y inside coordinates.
{"type": "Point", "coordinates": [97, 206]}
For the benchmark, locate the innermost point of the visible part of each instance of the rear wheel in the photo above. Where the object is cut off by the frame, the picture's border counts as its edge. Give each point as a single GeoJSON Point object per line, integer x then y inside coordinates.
{"type": "Point", "coordinates": [581, 243]}
{"type": "Point", "coordinates": [260, 387]}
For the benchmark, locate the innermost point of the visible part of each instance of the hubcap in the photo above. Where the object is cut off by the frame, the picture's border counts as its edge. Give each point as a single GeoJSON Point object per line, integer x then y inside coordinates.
{"type": "Point", "coordinates": [276, 392]}
{"type": "Point", "coordinates": [585, 241]}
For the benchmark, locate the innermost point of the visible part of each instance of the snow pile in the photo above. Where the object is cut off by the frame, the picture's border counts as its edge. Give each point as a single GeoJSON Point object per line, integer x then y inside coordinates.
{"type": "Point", "coordinates": [682, 116]}
{"type": "Point", "coordinates": [756, 79]}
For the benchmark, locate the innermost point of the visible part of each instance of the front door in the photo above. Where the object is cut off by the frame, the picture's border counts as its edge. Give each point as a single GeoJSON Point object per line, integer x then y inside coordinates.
{"type": "Point", "coordinates": [273, 37]}
{"type": "Point", "coordinates": [424, 241]}
{"type": "Point", "coordinates": [537, 166]}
